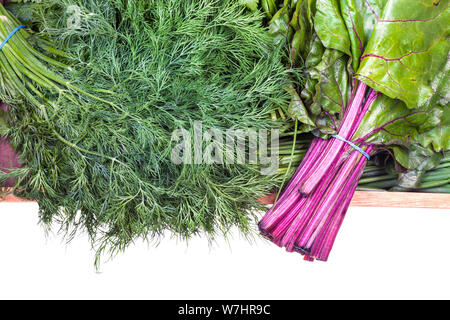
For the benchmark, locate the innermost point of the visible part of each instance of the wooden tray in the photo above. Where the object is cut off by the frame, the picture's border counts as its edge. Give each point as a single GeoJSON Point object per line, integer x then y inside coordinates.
{"type": "Point", "coordinates": [393, 199]}
{"type": "Point", "coordinates": [372, 199]}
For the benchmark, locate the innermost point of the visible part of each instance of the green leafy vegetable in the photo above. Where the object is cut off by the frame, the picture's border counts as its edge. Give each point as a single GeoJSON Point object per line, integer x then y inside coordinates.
{"type": "Point", "coordinates": [377, 75]}
{"type": "Point", "coordinates": [98, 153]}
{"type": "Point", "coordinates": [400, 53]}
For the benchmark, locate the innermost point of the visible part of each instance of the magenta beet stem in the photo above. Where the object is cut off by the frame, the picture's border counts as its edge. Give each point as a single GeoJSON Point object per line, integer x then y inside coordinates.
{"type": "Point", "coordinates": [314, 150]}
{"type": "Point", "coordinates": [347, 125]}
{"type": "Point", "coordinates": [373, 95]}
{"type": "Point", "coordinates": [285, 223]}
{"type": "Point", "coordinates": [309, 209]}
{"type": "Point", "coordinates": [326, 205]}
{"type": "Point", "coordinates": [266, 225]}
{"type": "Point", "coordinates": [275, 214]}
{"type": "Point", "coordinates": [323, 250]}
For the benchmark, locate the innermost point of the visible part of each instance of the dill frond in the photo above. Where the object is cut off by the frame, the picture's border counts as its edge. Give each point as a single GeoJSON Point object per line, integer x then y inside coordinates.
{"type": "Point", "coordinates": [98, 158]}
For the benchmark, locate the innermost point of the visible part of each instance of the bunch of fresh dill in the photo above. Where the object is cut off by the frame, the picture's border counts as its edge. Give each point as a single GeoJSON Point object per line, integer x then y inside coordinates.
{"type": "Point", "coordinates": [97, 154]}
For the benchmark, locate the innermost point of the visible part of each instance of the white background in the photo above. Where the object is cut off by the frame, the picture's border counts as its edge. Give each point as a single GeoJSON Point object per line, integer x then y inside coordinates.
{"type": "Point", "coordinates": [380, 253]}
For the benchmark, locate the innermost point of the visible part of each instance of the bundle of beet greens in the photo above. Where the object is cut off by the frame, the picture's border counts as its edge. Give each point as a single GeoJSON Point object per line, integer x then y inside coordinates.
{"type": "Point", "coordinates": [96, 89]}
{"type": "Point", "coordinates": [377, 78]}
